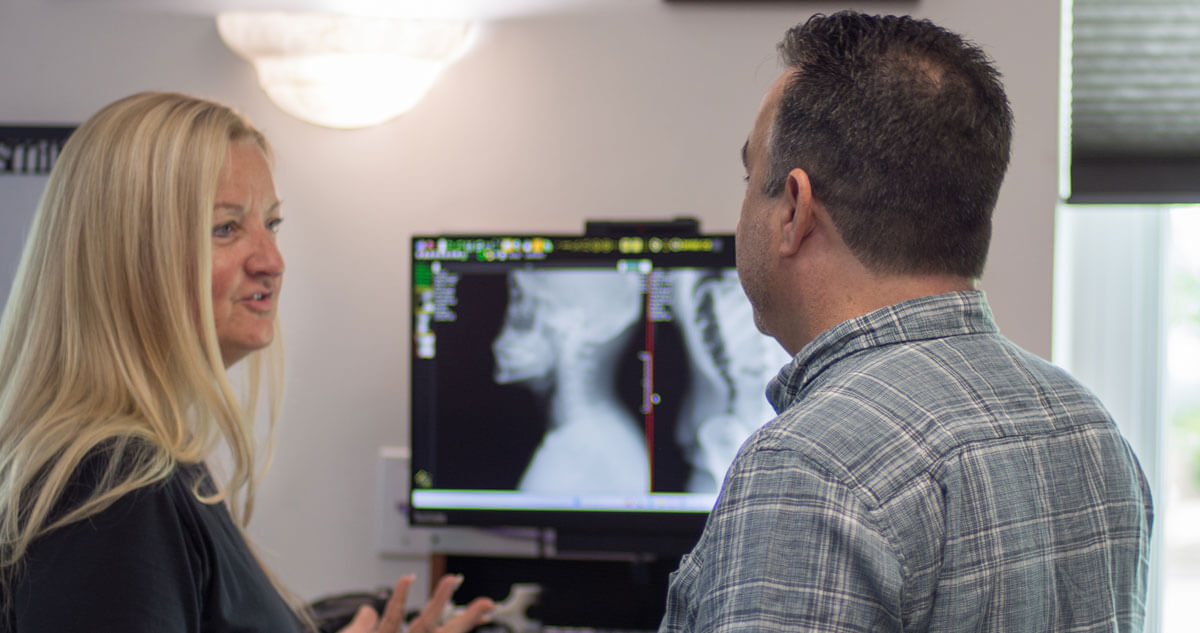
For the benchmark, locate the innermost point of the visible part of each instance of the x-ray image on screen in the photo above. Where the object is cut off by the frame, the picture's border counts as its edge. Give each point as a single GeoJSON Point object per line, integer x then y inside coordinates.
{"type": "Point", "coordinates": [562, 336]}
{"type": "Point", "coordinates": [730, 365]}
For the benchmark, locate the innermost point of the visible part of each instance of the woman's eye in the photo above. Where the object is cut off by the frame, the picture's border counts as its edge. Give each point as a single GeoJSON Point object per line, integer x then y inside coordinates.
{"type": "Point", "coordinates": [273, 224]}
{"type": "Point", "coordinates": [224, 230]}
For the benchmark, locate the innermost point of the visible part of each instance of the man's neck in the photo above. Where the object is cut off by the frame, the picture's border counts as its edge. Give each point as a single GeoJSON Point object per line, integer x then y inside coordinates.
{"type": "Point", "coordinates": [842, 299]}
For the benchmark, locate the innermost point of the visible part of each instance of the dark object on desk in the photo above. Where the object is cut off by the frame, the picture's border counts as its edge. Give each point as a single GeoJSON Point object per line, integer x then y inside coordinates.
{"type": "Point", "coordinates": [577, 594]}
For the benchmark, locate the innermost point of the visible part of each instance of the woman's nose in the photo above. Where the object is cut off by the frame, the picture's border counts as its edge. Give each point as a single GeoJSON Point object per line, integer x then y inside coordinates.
{"type": "Point", "coordinates": [266, 258]}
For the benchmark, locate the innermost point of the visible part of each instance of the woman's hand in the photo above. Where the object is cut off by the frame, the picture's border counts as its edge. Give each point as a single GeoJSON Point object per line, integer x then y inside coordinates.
{"type": "Point", "coordinates": [430, 620]}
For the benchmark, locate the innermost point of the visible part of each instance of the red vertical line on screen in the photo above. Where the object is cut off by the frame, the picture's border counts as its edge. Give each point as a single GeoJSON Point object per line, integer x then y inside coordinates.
{"type": "Point", "coordinates": [648, 378]}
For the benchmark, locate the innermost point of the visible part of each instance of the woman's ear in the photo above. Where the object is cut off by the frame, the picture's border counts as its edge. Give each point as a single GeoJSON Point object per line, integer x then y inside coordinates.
{"type": "Point", "coordinates": [800, 219]}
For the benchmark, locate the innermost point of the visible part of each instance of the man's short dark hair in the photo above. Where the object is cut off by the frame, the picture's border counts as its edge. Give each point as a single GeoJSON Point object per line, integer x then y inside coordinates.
{"type": "Point", "coordinates": [903, 129]}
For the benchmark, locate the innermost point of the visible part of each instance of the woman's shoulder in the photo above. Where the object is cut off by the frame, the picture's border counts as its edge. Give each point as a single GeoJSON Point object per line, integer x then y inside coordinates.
{"type": "Point", "coordinates": [103, 522]}
{"type": "Point", "coordinates": [122, 469]}
{"type": "Point", "coordinates": [142, 562]}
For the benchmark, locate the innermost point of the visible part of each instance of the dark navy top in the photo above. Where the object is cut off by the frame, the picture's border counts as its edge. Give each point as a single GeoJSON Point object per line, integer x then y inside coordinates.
{"type": "Point", "coordinates": [156, 561]}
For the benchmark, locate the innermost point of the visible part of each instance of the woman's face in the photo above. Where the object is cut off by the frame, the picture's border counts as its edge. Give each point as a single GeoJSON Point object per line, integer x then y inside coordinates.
{"type": "Point", "coordinates": [247, 269]}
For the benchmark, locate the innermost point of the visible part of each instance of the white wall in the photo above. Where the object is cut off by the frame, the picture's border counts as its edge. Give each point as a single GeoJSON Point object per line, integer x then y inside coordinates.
{"type": "Point", "coordinates": [638, 110]}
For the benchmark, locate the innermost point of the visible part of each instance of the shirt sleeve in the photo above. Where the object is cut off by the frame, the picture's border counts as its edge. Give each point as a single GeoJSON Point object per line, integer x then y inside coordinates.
{"type": "Point", "coordinates": [134, 567]}
{"type": "Point", "coordinates": [789, 547]}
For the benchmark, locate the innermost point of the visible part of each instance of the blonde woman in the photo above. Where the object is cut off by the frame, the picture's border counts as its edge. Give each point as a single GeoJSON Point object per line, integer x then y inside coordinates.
{"type": "Point", "coordinates": [150, 269]}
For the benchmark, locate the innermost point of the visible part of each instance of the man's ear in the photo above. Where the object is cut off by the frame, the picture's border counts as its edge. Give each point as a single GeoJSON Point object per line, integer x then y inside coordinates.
{"type": "Point", "coordinates": [800, 217]}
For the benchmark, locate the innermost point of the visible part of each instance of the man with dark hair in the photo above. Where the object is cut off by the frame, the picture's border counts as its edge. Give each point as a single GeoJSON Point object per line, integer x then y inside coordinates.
{"type": "Point", "coordinates": [923, 473]}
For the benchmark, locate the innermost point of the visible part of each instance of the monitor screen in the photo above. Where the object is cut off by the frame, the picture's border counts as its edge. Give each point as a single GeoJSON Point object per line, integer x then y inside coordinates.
{"type": "Point", "coordinates": [593, 384]}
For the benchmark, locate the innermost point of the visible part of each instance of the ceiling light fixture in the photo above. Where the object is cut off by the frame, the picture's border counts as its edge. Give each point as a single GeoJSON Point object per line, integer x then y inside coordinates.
{"type": "Point", "coordinates": [343, 71]}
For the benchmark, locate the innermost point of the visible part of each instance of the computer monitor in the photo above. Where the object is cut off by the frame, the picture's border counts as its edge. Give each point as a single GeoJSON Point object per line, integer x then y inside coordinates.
{"type": "Point", "coordinates": [596, 385]}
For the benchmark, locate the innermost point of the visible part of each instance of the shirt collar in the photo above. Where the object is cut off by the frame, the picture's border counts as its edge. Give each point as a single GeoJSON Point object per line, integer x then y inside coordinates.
{"type": "Point", "coordinates": [937, 316]}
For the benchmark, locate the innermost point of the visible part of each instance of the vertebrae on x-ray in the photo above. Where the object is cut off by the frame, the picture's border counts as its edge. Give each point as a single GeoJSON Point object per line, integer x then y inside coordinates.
{"type": "Point", "coordinates": [562, 334]}
{"type": "Point", "coordinates": [731, 363]}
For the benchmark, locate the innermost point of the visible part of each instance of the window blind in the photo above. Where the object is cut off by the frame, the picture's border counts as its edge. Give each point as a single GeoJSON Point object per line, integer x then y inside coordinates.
{"type": "Point", "coordinates": [1135, 101]}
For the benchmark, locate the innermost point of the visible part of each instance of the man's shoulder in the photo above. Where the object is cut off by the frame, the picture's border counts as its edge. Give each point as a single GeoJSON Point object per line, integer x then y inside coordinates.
{"type": "Point", "coordinates": [895, 413]}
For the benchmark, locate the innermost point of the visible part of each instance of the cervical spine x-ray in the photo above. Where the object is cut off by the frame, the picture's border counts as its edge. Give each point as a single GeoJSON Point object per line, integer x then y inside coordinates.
{"type": "Point", "coordinates": [567, 336]}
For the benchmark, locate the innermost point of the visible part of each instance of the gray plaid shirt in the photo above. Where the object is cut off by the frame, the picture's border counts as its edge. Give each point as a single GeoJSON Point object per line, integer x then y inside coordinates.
{"type": "Point", "coordinates": [924, 474]}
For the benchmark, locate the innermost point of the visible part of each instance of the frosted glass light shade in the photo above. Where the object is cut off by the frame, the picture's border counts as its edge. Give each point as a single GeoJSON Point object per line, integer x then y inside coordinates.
{"type": "Point", "coordinates": [343, 71]}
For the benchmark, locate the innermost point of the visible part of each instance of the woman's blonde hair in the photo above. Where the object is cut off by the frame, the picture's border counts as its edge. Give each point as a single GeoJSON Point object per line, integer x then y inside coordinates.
{"type": "Point", "coordinates": [107, 344]}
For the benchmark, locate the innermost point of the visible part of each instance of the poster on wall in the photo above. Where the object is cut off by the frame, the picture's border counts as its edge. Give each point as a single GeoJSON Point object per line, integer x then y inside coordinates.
{"type": "Point", "coordinates": [26, 155]}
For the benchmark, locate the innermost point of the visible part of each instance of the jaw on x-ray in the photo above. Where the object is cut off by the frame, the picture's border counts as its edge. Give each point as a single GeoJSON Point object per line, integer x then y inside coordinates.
{"type": "Point", "coordinates": [563, 333]}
